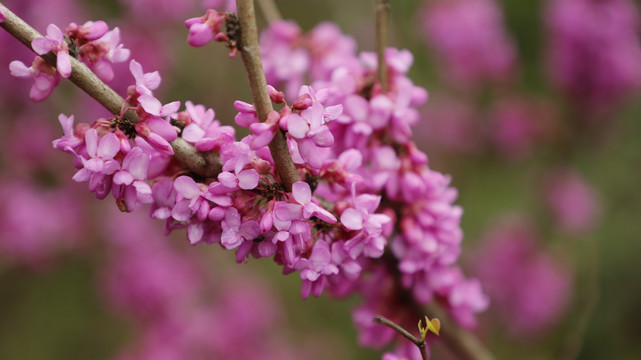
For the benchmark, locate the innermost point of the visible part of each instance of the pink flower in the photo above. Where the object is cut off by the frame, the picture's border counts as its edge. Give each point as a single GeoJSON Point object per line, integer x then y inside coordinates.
{"type": "Point", "coordinates": [69, 141]}
{"type": "Point", "coordinates": [54, 41]}
{"type": "Point", "coordinates": [206, 28]}
{"type": "Point", "coordinates": [3, 16]}
{"type": "Point", "coordinates": [314, 269]}
{"type": "Point", "coordinates": [100, 166]}
{"type": "Point", "coordinates": [130, 188]}
{"type": "Point", "coordinates": [45, 77]}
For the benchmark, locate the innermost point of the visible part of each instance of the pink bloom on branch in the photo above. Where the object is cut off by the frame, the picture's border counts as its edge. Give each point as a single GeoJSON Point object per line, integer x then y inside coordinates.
{"type": "Point", "coordinates": [69, 141]}
{"type": "Point", "coordinates": [572, 201]}
{"type": "Point", "coordinates": [100, 166]}
{"type": "Point", "coordinates": [470, 38]}
{"type": "Point", "coordinates": [130, 188]}
{"type": "Point", "coordinates": [45, 77]}
{"type": "Point", "coordinates": [206, 28]}
{"type": "Point", "coordinates": [3, 16]}
{"type": "Point", "coordinates": [313, 271]}
{"type": "Point", "coordinates": [54, 41]}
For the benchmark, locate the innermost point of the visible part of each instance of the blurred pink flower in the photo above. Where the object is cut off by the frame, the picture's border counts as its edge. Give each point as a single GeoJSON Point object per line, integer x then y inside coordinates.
{"type": "Point", "coordinates": [528, 287]}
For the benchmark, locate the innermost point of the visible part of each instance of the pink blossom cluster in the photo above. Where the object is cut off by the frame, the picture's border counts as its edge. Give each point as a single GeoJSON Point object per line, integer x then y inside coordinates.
{"type": "Point", "coordinates": [572, 202]}
{"type": "Point", "coordinates": [528, 286]}
{"type": "Point", "coordinates": [92, 43]}
{"type": "Point", "coordinates": [594, 51]}
{"type": "Point", "coordinates": [180, 310]}
{"type": "Point", "coordinates": [470, 40]}
{"type": "Point", "coordinates": [513, 127]}
{"type": "Point", "coordinates": [367, 205]}
{"type": "Point", "coordinates": [36, 224]}
{"type": "Point", "coordinates": [393, 198]}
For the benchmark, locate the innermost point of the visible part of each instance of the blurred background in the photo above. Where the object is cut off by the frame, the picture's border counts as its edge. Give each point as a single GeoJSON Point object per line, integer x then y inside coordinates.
{"type": "Point", "coordinates": [534, 111]}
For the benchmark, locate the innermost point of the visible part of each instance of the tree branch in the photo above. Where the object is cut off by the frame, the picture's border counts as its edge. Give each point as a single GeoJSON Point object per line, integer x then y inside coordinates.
{"type": "Point", "coordinates": [256, 76]}
{"type": "Point", "coordinates": [382, 20]}
{"type": "Point", "coordinates": [206, 165]}
{"type": "Point", "coordinates": [418, 342]}
{"type": "Point", "coordinates": [269, 10]}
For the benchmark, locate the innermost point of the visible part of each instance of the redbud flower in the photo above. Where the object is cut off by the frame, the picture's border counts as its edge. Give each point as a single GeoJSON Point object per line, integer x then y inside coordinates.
{"type": "Point", "coordinates": [100, 166]}
{"type": "Point", "coordinates": [206, 28]}
{"type": "Point", "coordinates": [54, 41]}
{"type": "Point", "coordinates": [45, 77]}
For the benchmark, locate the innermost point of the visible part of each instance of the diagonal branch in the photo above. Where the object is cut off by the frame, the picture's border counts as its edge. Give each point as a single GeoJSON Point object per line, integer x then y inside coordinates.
{"type": "Point", "coordinates": [203, 164]}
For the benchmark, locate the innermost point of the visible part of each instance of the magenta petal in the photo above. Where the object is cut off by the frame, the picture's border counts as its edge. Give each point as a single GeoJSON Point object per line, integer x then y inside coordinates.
{"type": "Point", "coordinates": [287, 211]}
{"type": "Point", "coordinates": [108, 147]}
{"type": "Point", "coordinates": [195, 231]}
{"type": "Point", "coordinates": [97, 30]}
{"type": "Point", "coordinates": [66, 123]}
{"type": "Point", "coordinates": [205, 144]}
{"type": "Point", "coordinates": [309, 152]}
{"type": "Point", "coordinates": [332, 112]}
{"type": "Point", "coordinates": [250, 230]}
{"type": "Point", "coordinates": [63, 64]}
{"type": "Point", "coordinates": [352, 219]}
{"type": "Point", "coordinates": [20, 70]}
{"type": "Point", "coordinates": [323, 137]}
{"type": "Point", "coordinates": [181, 211]}
{"type": "Point", "coordinates": [302, 192]}
{"type": "Point", "coordinates": [163, 128]}
{"type": "Point", "coordinates": [170, 108]}
{"type": "Point", "coordinates": [193, 133]}
{"type": "Point", "coordinates": [244, 107]}
{"type": "Point", "coordinates": [91, 142]}
{"type": "Point", "coordinates": [248, 179]}
{"type": "Point", "coordinates": [187, 187]}
{"type": "Point", "coordinates": [42, 46]}
{"type": "Point", "coordinates": [245, 119]}
{"type": "Point", "coordinates": [139, 166]}
{"type": "Point", "coordinates": [150, 104]}
{"type": "Point", "coordinates": [136, 70]}
{"type": "Point", "coordinates": [123, 178]}
{"type": "Point", "coordinates": [261, 140]}
{"type": "Point", "coordinates": [54, 33]}
{"type": "Point", "coordinates": [151, 80]}
{"type": "Point", "coordinates": [160, 144]}
{"type": "Point", "coordinates": [297, 126]}
{"type": "Point", "coordinates": [228, 179]}
{"type": "Point", "coordinates": [199, 35]}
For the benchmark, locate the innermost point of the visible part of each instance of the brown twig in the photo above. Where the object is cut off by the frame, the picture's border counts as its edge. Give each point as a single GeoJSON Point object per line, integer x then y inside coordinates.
{"type": "Point", "coordinates": [460, 341]}
{"type": "Point", "coordinates": [206, 165]}
{"type": "Point", "coordinates": [420, 343]}
{"type": "Point", "coordinates": [258, 85]}
{"type": "Point", "coordinates": [269, 10]}
{"type": "Point", "coordinates": [382, 20]}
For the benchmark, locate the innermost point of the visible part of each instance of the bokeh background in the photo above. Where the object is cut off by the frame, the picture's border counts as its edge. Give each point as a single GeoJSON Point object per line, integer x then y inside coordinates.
{"type": "Point", "coordinates": [534, 111]}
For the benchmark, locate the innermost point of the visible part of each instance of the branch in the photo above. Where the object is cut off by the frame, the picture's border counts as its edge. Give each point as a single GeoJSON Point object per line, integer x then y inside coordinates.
{"type": "Point", "coordinates": [258, 85]}
{"type": "Point", "coordinates": [206, 165]}
{"type": "Point", "coordinates": [460, 341]}
{"type": "Point", "coordinates": [382, 19]}
{"type": "Point", "coordinates": [269, 10]}
{"type": "Point", "coordinates": [418, 342]}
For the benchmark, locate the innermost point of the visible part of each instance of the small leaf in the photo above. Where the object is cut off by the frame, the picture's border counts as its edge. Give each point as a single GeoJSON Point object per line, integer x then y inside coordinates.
{"type": "Point", "coordinates": [421, 329]}
{"type": "Point", "coordinates": [434, 325]}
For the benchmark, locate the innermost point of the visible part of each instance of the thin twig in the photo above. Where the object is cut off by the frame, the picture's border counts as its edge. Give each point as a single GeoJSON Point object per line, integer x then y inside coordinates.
{"type": "Point", "coordinates": [382, 20]}
{"type": "Point", "coordinates": [572, 348]}
{"type": "Point", "coordinates": [460, 341]}
{"type": "Point", "coordinates": [258, 85]}
{"type": "Point", "coordinates": [269, 11]}
{"type": "Point", "coordinates": [206, 165]}
{"type": "Point", "coordinates": [418, 342]}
